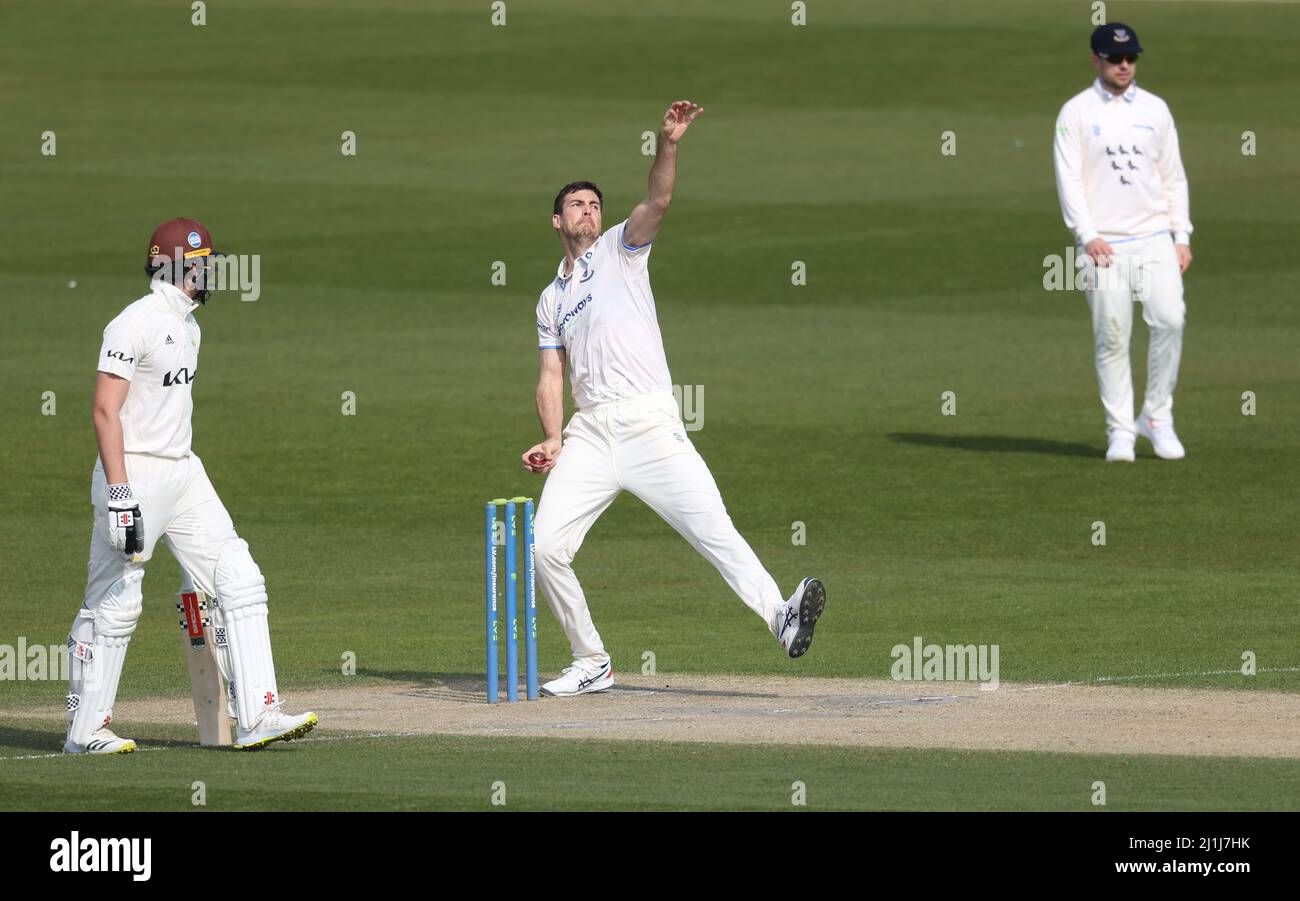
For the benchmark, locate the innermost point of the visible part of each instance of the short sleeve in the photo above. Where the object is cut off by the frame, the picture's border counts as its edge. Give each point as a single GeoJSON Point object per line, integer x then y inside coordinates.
{"type": "Point", "coordinates": [122, 349]}
{"type": "Point", "coordinates": [548, 331]}
{"type": "Point", "coordinates": [635, 257]}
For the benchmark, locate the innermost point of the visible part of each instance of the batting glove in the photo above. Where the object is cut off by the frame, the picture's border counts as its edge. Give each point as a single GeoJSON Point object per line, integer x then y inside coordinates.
{"type": "Point", "coordinates": [125, 524]}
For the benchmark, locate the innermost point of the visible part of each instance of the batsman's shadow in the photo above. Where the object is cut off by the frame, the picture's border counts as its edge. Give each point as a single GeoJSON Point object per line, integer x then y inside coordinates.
{"type": "Point", "coordinates": [48, 740]}
{"type": "Point", "coordinates": [997, 444]}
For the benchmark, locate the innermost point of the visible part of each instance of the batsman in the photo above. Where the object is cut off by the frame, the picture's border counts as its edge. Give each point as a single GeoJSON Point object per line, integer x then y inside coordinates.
{"type": "Point", "coordinates": [148, 485]}
{"type": "Point", "coordinates": [598, 318]}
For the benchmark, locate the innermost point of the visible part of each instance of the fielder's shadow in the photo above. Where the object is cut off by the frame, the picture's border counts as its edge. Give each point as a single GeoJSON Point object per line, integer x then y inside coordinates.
{"type": "Point", "coordinates": [997, 444]}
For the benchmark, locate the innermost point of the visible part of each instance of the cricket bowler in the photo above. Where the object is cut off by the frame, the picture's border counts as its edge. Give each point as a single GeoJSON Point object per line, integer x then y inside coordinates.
{"type": "Point", "coordinates": [598, 317]}
{"type": "Point", "coordinates": [1123, 194]}
{"type": "Point", "coordinates": [148, 485]}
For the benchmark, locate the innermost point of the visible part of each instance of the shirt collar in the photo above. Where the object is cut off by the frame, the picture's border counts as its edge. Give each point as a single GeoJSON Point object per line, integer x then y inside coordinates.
{"type": "Point", "coordinates": [174, 298]}
{"type": "Point", "coordinates": [1108, 96]}
{"type": "Point", "coordinates": [584, 261]}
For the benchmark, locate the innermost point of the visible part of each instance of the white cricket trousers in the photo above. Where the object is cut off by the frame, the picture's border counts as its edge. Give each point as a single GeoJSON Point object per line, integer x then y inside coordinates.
{"type": "Point", "coordinates": [179, 506]}
{"type": "Point", "coordinates": [638, 444]}
{"type": "Point", "coordinates": [1143, 271]}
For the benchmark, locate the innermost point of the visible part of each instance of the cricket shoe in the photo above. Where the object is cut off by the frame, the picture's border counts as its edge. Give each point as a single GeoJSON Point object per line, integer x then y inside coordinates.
{"type": "Point", "coordinates": [1163, 438]}
{"type": "Point", "coordinates": [102, 741]}
{"type": "Point", "coordinates": [1120, 449]}
{"type": "Point", "coordinates": [798, 617]}
{"type": "Point", "coordinates": [273, 725]}
{"type": "Point", "coordinates": [579, 679]}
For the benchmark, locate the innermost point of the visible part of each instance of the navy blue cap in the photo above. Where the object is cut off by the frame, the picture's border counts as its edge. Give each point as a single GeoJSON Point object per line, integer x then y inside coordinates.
{"type": "Point", "coordinates": [1115, 37]}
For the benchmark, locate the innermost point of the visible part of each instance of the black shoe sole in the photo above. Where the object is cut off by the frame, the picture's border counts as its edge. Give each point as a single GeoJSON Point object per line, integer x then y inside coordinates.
{"type": "Point", "coordinates": [811, 606]}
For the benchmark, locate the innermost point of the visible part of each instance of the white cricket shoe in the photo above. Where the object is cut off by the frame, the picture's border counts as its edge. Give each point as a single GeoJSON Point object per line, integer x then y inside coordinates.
{"type": "Point", "coordinates": [274, 725]}
{"type": "Point", "coordinates": [580, 679]}
{"type": "Point", "coordinates": [798, 617]}
{"type": "Point", "coordinates": [102, 741]}
{"type": "Point", "coordinates": [1163, 438]}
{"type": "Point", "coordinates": [1121, 449]}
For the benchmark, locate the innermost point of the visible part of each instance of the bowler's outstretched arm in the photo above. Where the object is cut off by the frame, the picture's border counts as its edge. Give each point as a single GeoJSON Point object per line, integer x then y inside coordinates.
{"type": "Point", "coordinates": [643, 224]}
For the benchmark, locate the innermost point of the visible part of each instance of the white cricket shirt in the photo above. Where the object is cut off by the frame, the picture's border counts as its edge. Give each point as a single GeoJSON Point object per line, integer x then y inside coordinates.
{"type": "Point", "coordinates": [603, 315]}
{"type": "Point", "coordinates": [154, 343]}
{"type": "Point", "coordinates": [1118, 171]}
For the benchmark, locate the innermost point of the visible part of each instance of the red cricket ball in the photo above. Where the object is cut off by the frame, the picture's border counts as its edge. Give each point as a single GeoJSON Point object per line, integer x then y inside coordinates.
{"type": "Point", "coordinates": [537, 458]}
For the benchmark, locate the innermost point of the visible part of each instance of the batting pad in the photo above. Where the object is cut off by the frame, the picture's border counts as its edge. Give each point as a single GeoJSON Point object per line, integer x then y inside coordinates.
{"type": "Point", "coordinates": [97, 664]}
{"type": "Point", "coordinates": [241, 592]}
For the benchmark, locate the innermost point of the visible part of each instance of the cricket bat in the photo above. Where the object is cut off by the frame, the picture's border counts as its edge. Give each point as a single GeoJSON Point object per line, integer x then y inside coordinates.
{"type": "Point", "coordinates": [206, 684]}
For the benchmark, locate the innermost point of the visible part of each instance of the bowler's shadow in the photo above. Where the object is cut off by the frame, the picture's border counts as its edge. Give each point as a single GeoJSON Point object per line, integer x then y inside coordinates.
{"type": "Point", "coordinates": [997, 444]}
{"type": "Point", "coordinates": [473, 685]}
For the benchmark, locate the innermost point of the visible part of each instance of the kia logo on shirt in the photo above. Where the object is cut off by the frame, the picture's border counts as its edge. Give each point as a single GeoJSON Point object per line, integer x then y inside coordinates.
{"type": "Point", "coordinates": [117, 354]}
{"type": "Point", "coordinates": [182, 376]}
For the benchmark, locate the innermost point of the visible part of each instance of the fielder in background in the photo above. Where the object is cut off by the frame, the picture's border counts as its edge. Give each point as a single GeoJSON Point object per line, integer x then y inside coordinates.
{"type": "Point", "coordinates": [147, 486]}
{"type": "Point", "coordinates": [1123, 193]}
{"type": "Point", "coordinates": [598, 315]}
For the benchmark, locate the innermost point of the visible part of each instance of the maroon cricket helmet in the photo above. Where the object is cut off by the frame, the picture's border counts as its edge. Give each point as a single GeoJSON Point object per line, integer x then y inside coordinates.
{"type": "Point", "coordinates": [174, 244]}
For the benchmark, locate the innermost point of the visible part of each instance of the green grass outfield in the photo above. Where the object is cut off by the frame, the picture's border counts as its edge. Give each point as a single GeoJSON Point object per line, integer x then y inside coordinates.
{"type": "Point", "coordinates": [461, 773]}
{"type": "Point", "coordinates": [822, 402]}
